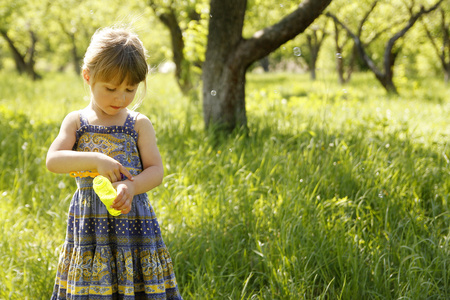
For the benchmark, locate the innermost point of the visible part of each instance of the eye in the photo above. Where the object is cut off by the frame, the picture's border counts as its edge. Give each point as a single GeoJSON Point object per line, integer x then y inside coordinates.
{"type": "Point", "coordinates": [130, 90]}
{"type": "Point", "coordinates": [110, 90]}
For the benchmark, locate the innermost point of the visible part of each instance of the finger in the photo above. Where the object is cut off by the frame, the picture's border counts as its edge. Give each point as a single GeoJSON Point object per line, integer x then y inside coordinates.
{"type": "Point", "coordinates": [122, 207]}
{"type": "Point", "coordinates": [127, 207]}
{"type": "Point", "coordinates": [125, 172]}
{"type": "Point", "coordinates": [118, 202]}
{"type": "Point", "coordinates": [111, 177]}
{"type": "Point", "coordinates": [124, 203]}
{"type": "Point", "coordinates": [116, 175]}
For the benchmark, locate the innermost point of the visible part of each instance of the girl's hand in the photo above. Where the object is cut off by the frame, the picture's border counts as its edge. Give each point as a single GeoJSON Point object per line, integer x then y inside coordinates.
{"type": "Point", "coordinates": [125, 194]}
{"type": "Point", "coordinates": [112, 169]}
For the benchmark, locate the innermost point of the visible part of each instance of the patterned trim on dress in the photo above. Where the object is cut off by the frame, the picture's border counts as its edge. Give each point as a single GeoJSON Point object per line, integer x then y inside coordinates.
{"type": "Point", "coordinates": [127, 127]}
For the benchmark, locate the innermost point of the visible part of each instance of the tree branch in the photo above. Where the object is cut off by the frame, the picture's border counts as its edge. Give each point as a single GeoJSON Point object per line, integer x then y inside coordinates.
{"type": "Point", "coordinates": [433, 43]}
{"type": "Point", "coordinates": [267, 40]}
{"type": "Point", "coordinates": [390, 44]}
{"type": "Point", "coordinates": [362, 52]}
{"type": "Point", "coordinates": [366, 16]}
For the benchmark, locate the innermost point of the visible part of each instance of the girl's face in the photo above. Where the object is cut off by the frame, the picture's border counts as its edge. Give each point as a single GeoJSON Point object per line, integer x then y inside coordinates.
{"type": "Point", "coordinates": [111, 98]}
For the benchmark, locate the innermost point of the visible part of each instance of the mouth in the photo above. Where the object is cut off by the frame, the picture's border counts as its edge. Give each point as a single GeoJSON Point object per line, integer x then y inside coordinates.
{"type": "Point", "coordinates": [115, 107]}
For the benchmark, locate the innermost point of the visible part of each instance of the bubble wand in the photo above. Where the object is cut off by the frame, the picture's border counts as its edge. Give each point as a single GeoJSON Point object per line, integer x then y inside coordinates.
{"type": "Point", "coordinates": [102, 187]}
{"type": "Point", "coordinates": [83, 174]}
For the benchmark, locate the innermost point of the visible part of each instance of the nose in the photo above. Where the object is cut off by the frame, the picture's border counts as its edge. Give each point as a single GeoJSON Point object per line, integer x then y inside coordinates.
{"type": "Point", "coordinates": [121, 96]}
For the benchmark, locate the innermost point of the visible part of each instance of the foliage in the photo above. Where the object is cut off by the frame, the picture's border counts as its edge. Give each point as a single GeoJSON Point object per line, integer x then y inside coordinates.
{"type": "Point", "coordinates": [333, 193]}
{"type": "Point", "coordinates": [54, 25]}
{"type": "Point", "coordinates": [59, 32]}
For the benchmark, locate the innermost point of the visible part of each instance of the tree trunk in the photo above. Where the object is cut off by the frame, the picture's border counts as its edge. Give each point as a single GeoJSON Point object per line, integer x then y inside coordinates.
{"type": "Point", "coordinates": [340, 63]}
{"type": "Point", "coordinates": [22, 65]}
{"type": "Point", "coordinates": [339, 59]}
{"type": "Point", "coordinates": [19, 59]}
{"type": "Point", "coordinates": [446, 47]}
{"type": "Point", "coordinates": [182, 68]}
{"type": "Point", "coordinates": [223, 75]}
{"type": "Point", "coordinates": [228, 56]}
{"type": "Point", "coordinates": [30, 53]}
{"type": "Point", "coordinates": [75, 58]}
{"type": "Point", "coordinates": [447, 74]}
{"type": "Point", "coordinates": [312, 61]}
{"type": "Point", "coordinates": [314, 44]}
{"type": "Point", "coordinates": [182, 65]}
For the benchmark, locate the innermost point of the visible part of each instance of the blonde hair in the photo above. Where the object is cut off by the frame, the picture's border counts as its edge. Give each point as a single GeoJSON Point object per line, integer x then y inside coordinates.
{"type": "Point", "coordinates": [116, 55]}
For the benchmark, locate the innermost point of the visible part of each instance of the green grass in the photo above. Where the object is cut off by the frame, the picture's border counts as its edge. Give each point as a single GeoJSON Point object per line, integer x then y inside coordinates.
{"type": "Point", "coordinates": [334, 193]}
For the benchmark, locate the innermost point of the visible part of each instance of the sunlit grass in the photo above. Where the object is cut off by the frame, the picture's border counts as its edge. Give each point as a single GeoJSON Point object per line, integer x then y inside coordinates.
{"type": "Point", "coordinates": [334, 193]}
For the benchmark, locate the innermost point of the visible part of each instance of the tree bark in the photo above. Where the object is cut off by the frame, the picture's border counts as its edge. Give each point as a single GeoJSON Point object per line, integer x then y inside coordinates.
{"type": "Point", "coordinates": [228, 55]}
{"type": "Point", "coordinates": [223, 75]}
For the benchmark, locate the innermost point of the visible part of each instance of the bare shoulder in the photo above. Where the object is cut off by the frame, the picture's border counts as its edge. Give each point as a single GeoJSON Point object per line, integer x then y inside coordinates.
{"type": "Point", "coordinates": [67, 133]}
{"type": "Point", "coordinates": [143, 125]}
{"type": "Point", "coordinates": [71, 121]}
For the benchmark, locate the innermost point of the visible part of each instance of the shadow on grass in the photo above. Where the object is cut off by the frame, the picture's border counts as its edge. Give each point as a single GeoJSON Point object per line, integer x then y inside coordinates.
{"type": "Point", "coordinates": [269, 214]}
{"type": "Point", "coordinates": [326, 207]}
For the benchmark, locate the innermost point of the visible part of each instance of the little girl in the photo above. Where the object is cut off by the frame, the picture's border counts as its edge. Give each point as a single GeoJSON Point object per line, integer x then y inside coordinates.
{"type": "Point", "coordinates": [106, 257]}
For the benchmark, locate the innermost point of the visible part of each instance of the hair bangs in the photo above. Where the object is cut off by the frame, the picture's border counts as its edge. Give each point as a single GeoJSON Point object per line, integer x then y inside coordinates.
{"type": "Point", "coordinates": [124, 64]}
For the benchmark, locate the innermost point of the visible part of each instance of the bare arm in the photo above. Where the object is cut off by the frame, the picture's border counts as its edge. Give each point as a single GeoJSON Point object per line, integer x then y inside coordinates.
{"type": "Point", "coordinates": [153, 170]}
{"type": "Point", "coordinates": [62, 159]}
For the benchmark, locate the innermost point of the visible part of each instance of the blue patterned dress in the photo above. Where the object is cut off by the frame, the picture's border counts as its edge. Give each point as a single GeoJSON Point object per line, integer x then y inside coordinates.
{"type": "Point", "coordinates": [106, 257]}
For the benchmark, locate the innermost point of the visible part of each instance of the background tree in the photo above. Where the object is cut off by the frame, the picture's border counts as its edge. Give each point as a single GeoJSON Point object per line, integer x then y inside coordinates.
{"type": "Point", "coordinates": [261, 13]}
{"type": "Point", "coordinates": [228, 56]}
{"type": "Point", "coordinates": [315, 35]}
{"type": "Point", "coordinates": [183, 19]}
{"type": "Point", "coordinates": [18, 28]}
{"type": "Point", "coordinates": [385, 76]}
{"type": "Point", "coordinates": [69, 35]}
{"type": "Point", "coordinates": [346, 52]}
{"type": "Point", "coordinates": [437, 29]}
{"type": "Point", "coordinates": [37, 36]}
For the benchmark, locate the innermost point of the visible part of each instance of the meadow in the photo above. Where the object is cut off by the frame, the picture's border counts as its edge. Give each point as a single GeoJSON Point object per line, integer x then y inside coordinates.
{"type": "Point", "coordinates": [334, 192]}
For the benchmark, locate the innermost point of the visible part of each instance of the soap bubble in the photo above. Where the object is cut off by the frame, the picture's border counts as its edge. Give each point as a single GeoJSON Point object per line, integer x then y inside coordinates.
{"type": "Point", "coordinates": [297, 51]}
{"type": "Point", "coordinates": [213, 93]}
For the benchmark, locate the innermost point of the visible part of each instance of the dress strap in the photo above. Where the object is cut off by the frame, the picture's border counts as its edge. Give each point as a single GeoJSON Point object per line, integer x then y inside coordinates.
{"type": "Point", "coordinates": [83, 120]}
{"type": "Point", "coordinates": [131, 119]}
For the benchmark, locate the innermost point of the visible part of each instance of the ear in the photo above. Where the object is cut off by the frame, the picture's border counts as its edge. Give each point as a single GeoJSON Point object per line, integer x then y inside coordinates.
{"type": "Point", "coordinates": [86, 75]}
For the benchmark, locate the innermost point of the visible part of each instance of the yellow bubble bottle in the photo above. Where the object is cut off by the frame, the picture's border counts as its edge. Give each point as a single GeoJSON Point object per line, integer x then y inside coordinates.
{"type": "Point", "coordinates": [106, 192]}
